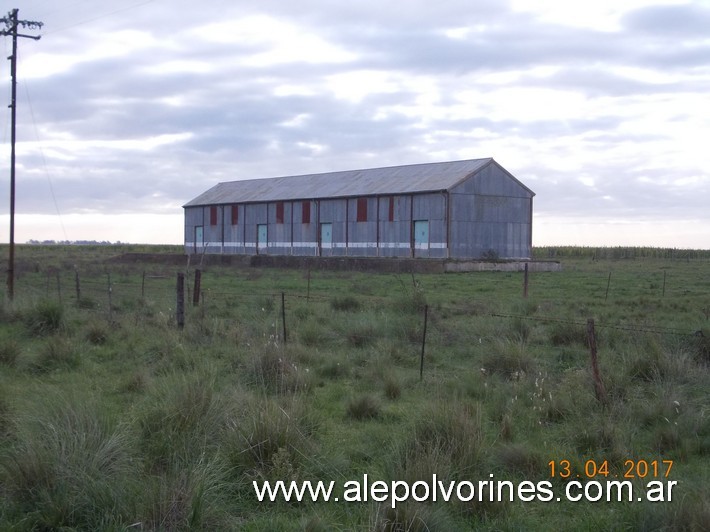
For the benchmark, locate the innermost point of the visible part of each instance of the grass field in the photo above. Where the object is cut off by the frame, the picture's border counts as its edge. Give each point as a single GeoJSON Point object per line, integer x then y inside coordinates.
{"type": "Point", "coordinates": [113, 418]}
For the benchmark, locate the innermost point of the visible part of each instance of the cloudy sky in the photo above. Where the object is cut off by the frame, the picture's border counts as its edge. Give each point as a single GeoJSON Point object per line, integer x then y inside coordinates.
{"type": "Point", "coordinates": [130, 108]}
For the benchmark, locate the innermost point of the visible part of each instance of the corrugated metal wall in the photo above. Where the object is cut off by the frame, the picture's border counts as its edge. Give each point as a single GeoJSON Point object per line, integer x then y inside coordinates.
{"type": "Point", "coordinates": [490, 213]}
{"type": "Point", "coordinates": [387, 230]}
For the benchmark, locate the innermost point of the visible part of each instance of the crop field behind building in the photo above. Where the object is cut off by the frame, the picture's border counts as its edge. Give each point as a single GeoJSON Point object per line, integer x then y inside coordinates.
{"type": "Point", "coordinates": [114, 417]}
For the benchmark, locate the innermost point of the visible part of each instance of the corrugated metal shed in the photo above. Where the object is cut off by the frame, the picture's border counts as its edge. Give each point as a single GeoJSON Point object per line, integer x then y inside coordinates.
{"type": "Point", "coordinates": [459, 209]}
{"type": "Point", "coordinates": [415, 178]}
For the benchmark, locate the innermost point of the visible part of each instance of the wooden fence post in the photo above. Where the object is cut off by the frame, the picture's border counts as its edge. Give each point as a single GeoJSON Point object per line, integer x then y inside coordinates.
{"type": "Point", "coordinates": [78, 285]}
{"type": "Point", "coordinates": [197, 290]}
{"type": "Point", "coordinates": [308, 289]}
{"type": "Point", "coordinates": [283, 315]}
{"type": "Point", "coordinates": [608, 282]}
{"type": "Point", "coordinates": [421, 358]}
{"type": "Point", "coordinates": [525, 282]}
{"type": "Point", "coordinates": [143, 285]}
{"type": "Point", "coordinates": [59, 288]}
{"type": "Point", "coordinates": [599, 390]}
{"type": "Point", "coordinates": [110, 299]}
{"type": "Point", "coordinates": [180, 306]}
{"type": "Point", "coordinates": [187, 281]}
{"type": "Point", "coordinates": [664, 284]}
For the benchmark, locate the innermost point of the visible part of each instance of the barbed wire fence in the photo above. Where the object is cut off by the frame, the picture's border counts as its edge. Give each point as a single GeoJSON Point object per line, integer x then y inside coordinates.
{"type": "Point", "coordinates": [107, 294]}
{"type": "Point", "coordinates": [187, 296]}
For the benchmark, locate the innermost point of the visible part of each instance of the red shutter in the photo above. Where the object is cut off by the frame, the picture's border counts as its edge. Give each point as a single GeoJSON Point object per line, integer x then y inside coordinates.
{"type": "Point", "coordinates": [235, 214]}
{"type": "Point", "coordinates": [280, 212]}
{"type": "Point", "coordinates": [306, 212]}
{"type": "Point", "coordinates": [362, 209]}
{"type": "Point", "coordinates": [213, 215]}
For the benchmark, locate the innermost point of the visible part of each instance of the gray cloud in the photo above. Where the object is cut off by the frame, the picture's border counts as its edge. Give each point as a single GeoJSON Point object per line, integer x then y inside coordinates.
{"type": "Point", "coordinates": [595, 119]}
{"type": "Point", "coordinates": [685, 21]}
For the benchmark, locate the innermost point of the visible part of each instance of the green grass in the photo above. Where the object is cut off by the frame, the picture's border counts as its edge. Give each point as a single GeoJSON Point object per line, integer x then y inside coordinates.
{"type": "Point", "coordinates": [113, 418]}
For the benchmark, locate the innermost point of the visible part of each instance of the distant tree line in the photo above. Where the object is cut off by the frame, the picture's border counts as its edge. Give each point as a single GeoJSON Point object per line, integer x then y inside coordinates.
{"type": "Point", "coordinates": [74, 243]}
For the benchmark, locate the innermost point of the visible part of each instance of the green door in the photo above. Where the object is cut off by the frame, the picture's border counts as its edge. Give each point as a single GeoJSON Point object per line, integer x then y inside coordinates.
{"type": "Point", "coordinates": [421, 238]}
{"type": "Point", "coordinates": [326, 239]}
{"type": "Point", "coordinates": [261, 238]}
{"type": "Point", "coordinates": [199, 238]}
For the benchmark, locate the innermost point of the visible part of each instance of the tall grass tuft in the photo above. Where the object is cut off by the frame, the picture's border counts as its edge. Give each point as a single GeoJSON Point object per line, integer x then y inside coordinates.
{"type": "Point", "coordinates": [97, 332]}
{"type": "Point", "coordinates": [452, 429]}
{"type": "Point", "coordinates": [267, 434]}
{"type": "Point", "coordinates": [345, 303]}
{"type": "Point", "coordinates": [569, 397]}
{"type": "Point", "coordinates": [276, 371]}
{"type": "Point", "coordinates": [508, 359]}
{"type": "Point", "coordinates": [362, 330]}
{"type": "Point", "coordinates": [58, 352]}
{"type": "Point", "coordinates": [411, 300]}
{"type": "Point", "coordinates": [520, 459]}
{"type": "Point", "coordinates": [392, 387]}
{"type": "Point", "coordinates": [9, 351]}
{"type": "Point", "coordinates": [70, 466]}
{"type": "Point", "coordinates": [691, 513]}
{"type": "Point", "coordinates": [313, 334]}
{"type": "Point", "coordinates": [564, 333]}
{"type": "Point", "coordinates": [137, 382]}
{"type": "Point", "coordinates": [700, 346]}
{"type": "Point", "coordinates": [446, 440]}
{"type": "Point", "coordinates": [363, 407]}
{"type": "Point", "coordinates": [412, 463]}
{"type": "Point", "coordinates": [180, 420]}
{"type": "Point", "coordinates": [187, 497]}
{"type": "Point", "coordinates": [5, 410]}
{"type": "Point", "coordinates": [521, 329]}
{"type": "Point", "coordinates": [44, 318]}
{"type": "Point", "coordinates": [362, 336]}
{"type": "Point", "coordinates": [410, 303]}
{"type": "Point", "coordinates": [334, 369]}
{"type": "Point", "coordinates": [410, 516]}
{"type": "Point", "coordinates": [596, 435]}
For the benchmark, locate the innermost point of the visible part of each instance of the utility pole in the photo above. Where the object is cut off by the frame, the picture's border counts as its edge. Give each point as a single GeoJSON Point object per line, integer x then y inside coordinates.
{"type": "Point", "coordinates": [11, 24]}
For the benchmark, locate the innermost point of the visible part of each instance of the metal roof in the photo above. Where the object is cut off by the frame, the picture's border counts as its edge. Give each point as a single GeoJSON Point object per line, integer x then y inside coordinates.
{"type": "Point", "coordinates": [414, 178]}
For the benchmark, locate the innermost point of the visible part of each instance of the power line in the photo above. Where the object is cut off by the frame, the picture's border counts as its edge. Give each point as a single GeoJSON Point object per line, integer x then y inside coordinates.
{"type": "Point", "coordinates": [99, 17]}
{"type": "Point", "coordinates": [44, 163]}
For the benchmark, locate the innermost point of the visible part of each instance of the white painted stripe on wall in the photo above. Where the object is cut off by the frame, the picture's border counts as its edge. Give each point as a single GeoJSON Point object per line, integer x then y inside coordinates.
{"type": "Point", "coordinates": [362, 245]}
{"type": "Point", "coordinates": [394, 245]}
{"type": "Point", "coordinates": [314, 245]}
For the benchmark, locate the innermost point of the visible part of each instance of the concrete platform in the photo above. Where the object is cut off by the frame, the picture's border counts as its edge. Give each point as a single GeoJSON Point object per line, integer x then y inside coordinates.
{"type": "Point", "coordinates": [374, 264]}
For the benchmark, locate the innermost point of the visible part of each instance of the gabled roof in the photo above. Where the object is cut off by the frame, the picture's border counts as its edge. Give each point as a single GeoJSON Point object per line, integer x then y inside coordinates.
{"type": "Point", "coordinates": [413, 178]}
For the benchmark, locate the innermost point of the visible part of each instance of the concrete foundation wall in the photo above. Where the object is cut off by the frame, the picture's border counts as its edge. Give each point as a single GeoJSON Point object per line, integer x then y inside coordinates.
{"type": "Point", "coordinates": [373, 264]}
